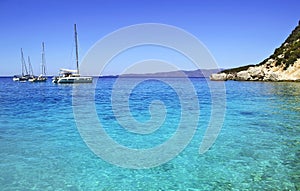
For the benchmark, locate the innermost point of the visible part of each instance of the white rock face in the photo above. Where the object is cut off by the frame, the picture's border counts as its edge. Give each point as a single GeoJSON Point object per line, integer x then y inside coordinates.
{"type": "Point", "coordinates": [243, 76]}
{"type": "Point", "coordinates": [273, 77]}
{"type": "Point", "coordinates": [230, 77]}
{"type": "Point", "coordinates": [256, 73]}
{"type": "Point", "coordinates": [277, 73]}
{"type": "Point", "coordinates": [218, 77]}
{"type": "Point", "coordinates": [292, 73]}
{"type": "Point", "coordinates": [266, 72]}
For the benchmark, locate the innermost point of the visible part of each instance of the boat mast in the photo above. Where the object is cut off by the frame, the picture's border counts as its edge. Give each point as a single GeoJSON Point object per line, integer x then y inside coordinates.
{"type": "Point", "coordinates": [76, 45]}
{"type": "Point", "coordinates": [43, 60]}
{"type": "Point", "coordinates": [30, 67]}
{"type": "Point", "coordinates": [24, 68]}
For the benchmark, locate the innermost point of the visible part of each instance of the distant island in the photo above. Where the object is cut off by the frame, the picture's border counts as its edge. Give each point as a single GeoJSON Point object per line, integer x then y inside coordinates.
{"type": "Point", "coordinates": [282, 65]}
{"type": "Point", "coordinates": [200, 73]}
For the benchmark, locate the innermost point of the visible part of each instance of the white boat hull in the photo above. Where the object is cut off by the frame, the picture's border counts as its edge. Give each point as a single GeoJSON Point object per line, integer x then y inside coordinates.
{"type": "Point", "coordinates": [72, 80]}
{"type": "Point", "coordinates": [21, 78]}
{"type": "Point", "coordinates": [38, 79]}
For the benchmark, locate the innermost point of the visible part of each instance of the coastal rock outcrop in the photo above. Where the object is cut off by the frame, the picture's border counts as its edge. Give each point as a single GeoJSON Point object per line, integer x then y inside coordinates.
{"type": "Point", "coordinates": [243, 76]}
{"type": "Point", "coordinates": [219, 77]}
{"type": "Point", "coordinates": [262, 73]}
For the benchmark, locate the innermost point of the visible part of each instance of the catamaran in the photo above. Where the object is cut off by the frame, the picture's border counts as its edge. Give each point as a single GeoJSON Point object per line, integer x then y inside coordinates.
{"type": "Point", "coordinates": [42, 77]}
{"type": "Point", "coordinates": [72, 76]}
{"type": "Point", "coordinates": [25, 75]}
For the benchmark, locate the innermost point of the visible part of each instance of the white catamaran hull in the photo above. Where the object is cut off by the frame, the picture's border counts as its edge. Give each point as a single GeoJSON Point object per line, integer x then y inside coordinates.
{"type": "Point", "coordinates": [72, 80]}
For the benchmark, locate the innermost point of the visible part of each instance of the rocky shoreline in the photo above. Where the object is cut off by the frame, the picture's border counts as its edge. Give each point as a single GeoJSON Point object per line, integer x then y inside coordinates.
{"type": "Point", "coordinates": [267, 72]}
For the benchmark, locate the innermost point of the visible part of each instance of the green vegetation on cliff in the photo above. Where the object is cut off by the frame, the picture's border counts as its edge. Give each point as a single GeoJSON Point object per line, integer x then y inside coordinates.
{"type": "Point", "coordinates": [289, 51]}
{"type": "Point", "coordinates": [236, 70]}
{"type": "Point", "coordinates": [286, 55]}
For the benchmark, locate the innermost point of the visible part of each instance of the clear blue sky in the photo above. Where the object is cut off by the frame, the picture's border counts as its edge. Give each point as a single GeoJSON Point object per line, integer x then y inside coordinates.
{"type": "Point", "coordinates": [236, 32]}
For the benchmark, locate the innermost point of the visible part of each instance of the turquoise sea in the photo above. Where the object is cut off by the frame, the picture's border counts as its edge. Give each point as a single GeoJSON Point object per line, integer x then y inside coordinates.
{"type": "Point", "coordinates": [258, 147]}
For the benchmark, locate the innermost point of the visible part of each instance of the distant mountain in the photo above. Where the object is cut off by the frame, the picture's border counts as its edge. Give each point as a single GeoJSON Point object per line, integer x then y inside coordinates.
{"type": "Point", "coordinates": [282, 65]}
{"type": "Point", "coordinates": [203, 73]}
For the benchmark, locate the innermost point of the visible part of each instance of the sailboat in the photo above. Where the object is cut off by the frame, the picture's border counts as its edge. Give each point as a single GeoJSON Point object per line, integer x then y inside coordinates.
{"type": "Point", "coordinates": [68, 76]}
{"type": "Point", "coordinates": [42, 77]}
{"type": "Point", "coordinates": [30, 70]}
{"type": "Point", "coordinates": [25, 75]}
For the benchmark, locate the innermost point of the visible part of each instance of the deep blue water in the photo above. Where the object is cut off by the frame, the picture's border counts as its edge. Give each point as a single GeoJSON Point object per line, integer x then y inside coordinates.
{"type": "Point", "coordinates": [258, 147]}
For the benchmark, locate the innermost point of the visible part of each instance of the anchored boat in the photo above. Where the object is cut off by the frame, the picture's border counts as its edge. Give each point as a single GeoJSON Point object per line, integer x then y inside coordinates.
{"type": "Point", "coordinates": [42, 77]}
{"type": "Point", "coordinates": [72, 76]}
{"type": "Point", "coordinates": [25, 75]}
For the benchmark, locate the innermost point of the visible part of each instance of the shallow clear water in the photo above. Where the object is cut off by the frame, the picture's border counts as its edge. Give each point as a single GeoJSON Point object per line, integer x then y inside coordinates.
{"type": "Point", "coordinates": [258, 147]}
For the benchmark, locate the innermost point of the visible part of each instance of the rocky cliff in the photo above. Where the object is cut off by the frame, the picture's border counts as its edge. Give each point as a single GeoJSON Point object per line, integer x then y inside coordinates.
{"type": "Point", "coordinates": [282, 65]}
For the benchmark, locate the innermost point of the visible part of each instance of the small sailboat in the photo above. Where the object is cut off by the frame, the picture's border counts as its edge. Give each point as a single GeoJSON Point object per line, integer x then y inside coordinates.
{"type": "Point", "coordinates": [42, 77]}
{"type": "Point", "coordinates": [30, 70]}
{"type": "Point", "coordinates": [67, 76]}
{"type": "Point", "coordinates": [25, 75]}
